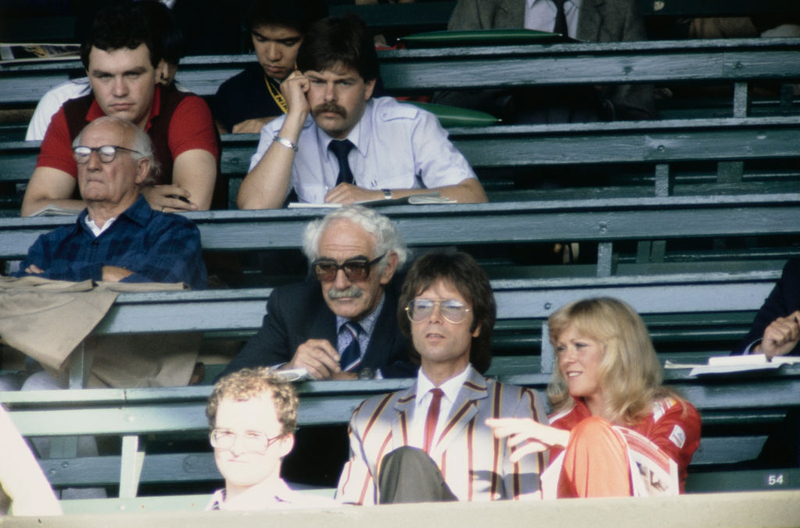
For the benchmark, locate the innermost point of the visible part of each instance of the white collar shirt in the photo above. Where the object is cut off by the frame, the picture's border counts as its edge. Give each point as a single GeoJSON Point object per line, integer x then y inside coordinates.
{"type": "Point", "coordinates": [541, 15]}
{"type": "Point", "coordinates": [98, 230]}
{"type": "Point", "coordinates": [423, 400]}
{"type": "Point", "coordinates": [396, 146]}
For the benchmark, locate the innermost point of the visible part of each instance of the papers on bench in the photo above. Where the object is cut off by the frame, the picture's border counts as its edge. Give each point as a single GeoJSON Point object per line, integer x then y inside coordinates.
{"type": "Point", "coordinates": [731, 364]}
{"type": "Point", "coordinates": [38, 52]}
{"type": "Point", "coordinates": [293, 375]}
{"type": "Point", "coordinates": [54, 210]}
{"type": "Point", "coordinates": [414, 199]}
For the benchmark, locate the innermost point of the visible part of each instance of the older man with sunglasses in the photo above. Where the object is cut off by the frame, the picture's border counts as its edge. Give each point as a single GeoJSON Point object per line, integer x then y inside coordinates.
{"type": "Point", "coordinates": [118, 237]}
{"type": "Point", "coordinates": [344, 324]}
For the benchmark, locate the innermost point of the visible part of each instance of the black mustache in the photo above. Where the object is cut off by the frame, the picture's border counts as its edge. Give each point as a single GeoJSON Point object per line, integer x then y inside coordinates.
{"type": "Point", "coordinates": [330, 107]}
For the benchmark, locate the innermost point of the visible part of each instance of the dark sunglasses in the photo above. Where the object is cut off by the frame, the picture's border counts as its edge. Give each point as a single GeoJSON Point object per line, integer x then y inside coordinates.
{"type": "Point", "coordinates": [355, 269]}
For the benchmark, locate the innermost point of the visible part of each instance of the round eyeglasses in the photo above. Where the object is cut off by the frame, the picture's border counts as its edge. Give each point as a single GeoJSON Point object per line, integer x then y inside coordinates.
{"type": "Point", "coordinates": [252, 441]}
{"type": "Point", "coordinates": [106, 153]}
{"type": "Point", "coordinates": [452, 311]}
{"type": "Point", "coordinates": [355, 269]}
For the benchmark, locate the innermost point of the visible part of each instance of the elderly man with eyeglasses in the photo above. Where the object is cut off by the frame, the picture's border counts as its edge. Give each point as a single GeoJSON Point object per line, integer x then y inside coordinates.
{"type": "Point", "coordinates": [253, 416]}
{"type": "Point", "coordinates": [430, 442]}
{"type": "Point", "coordinates": [117, 237]}
{"type": "Point", "coordinates": [343, 325]}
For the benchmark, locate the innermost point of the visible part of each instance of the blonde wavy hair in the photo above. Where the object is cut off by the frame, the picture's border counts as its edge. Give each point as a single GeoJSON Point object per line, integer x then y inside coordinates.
{"type": "Point", "coordinates": [629, 372]}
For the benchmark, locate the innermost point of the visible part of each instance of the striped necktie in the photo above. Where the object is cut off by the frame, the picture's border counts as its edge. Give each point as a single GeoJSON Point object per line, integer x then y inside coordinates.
{"type": "Point", "coordinates": [433, 418]}
{"type": "Point", "coordinates": [351, 355]}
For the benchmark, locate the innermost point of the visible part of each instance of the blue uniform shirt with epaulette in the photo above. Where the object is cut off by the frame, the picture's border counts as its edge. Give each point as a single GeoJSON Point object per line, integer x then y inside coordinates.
{"type": "Point", "coordinates": [397, 146]}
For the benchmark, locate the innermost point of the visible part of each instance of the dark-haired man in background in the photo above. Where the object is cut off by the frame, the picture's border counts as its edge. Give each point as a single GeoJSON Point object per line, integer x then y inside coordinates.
{"type": "Point", "coordinates": [338, 144]}
{"type": "Point", "coordinates": [122, 57]}
{"type": "Point", "coordinates": [430, 441]}
{"type": "Point", "coordinates": [249, 100]}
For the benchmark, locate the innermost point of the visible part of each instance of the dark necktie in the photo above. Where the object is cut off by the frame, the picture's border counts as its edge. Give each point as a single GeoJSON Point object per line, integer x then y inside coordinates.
{"type": "Point", "coordinates": [433, 418]}
{"type": "Point", "coordinates": [350, 357]}
{"type": "Point", "coordinates": [341, 148]}
{"type": "Point", "coordinates": [561, 18]}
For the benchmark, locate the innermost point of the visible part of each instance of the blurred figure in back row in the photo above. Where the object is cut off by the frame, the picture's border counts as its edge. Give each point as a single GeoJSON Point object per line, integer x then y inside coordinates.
{"type": "Point", "coordinates": [585, 20]}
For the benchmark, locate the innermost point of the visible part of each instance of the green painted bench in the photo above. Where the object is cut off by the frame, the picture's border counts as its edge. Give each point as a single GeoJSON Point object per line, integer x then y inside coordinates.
{"type": "Point", "coordinates": [660, 158]}
{"type": "Point", "coordinates": [612, 223]}
{"type": "Point", "coordinates": [779, 508]}
{"type": "Point", "coordinates": [422, 70]}
{"type": "Point", "coordinates": [728, 481]}
{"type": "Point", "coordinates": [690, 309]}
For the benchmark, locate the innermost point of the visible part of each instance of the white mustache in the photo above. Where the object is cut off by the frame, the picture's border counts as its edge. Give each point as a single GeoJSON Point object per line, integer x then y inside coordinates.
{"type": "Point", "coordinates": [353, 291]}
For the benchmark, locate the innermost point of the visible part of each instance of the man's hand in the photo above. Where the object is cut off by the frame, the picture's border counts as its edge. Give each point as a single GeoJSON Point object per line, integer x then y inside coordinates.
{"type": "Point", "coordinates": [294, 89]}
{"type": "Point", "coordinates": [781, 336]}
{"type": "Point", "coordinates": [251, 126]}
{"type": "Point", "coordinates": [318, 357]}
{"type": "Point", "coordinates": [34, 269]}
{"type": "Point", "coordinates": [168, 198]}
{"type": "Point", "coordinates": [115, 273]}
{"type": "Point", "coordinates": [347, 193]}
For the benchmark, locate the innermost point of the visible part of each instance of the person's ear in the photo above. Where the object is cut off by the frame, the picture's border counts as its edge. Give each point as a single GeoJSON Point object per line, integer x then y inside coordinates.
{"type": "Point", "coordinates": [391, 266]}
{"type": "Point", "coordinates": [162, 72]}
{"type": "Point", "coordinates": [287, 444]}
{"type": "Point", "coordinates": [370, 86]}
{"type": "Point", "coordinates": [477, 331]}
{"type": "Point", "coordinates": [142, 170]}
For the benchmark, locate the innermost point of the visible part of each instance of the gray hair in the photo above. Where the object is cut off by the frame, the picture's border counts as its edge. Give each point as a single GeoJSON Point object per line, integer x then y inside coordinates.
{"type": "Point", "coordinates": [387, 238]}
{"type": "Point", "coordinates": [141, 142]}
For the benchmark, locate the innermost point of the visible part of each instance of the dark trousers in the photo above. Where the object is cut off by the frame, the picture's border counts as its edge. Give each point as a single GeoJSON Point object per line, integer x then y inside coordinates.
{"type": "Point", "coordinates": [408, 474]}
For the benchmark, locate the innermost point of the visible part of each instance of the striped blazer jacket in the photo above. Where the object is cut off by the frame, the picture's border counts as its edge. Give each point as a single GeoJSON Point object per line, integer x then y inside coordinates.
{"type": "Point", "coordinates": [474, 464]}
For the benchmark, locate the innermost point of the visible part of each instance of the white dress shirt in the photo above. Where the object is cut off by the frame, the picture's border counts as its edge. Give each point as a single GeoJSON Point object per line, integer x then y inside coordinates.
{"type": "Point", "coordinates": [450, 388]}
{"type": "Point", "coordinates": [541, 15]}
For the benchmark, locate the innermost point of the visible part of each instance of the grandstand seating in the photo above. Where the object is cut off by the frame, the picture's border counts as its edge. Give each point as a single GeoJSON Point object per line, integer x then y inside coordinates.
{"type": "Point", "coordinates": [608, 222]}
{"type": "Point", "coordinates": [699, 308]}
{"type": "Point", "coordinates": [691, 309]}
{"type": "Point", "coordinates": [630, 159]}
{"type": "Point", "coordinates": [423, 70]}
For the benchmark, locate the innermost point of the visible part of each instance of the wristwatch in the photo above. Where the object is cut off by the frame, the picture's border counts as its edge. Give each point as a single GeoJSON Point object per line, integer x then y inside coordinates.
{"type": "Point", "coordinates": [366, 374]}
{"type": "Point", "coordinates": [285, 142]}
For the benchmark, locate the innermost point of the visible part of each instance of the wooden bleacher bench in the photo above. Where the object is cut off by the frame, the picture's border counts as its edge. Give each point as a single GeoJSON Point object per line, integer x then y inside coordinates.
{"type": "Point", "coordinates": [611, 223]}
{"type": "Point", "coordinates": [657, 149]}
{"type": "Point", "coordinates": [777, 509]}
{"type": "Point", "coordinates": [770, 480]}
{"type": "Point", "coordinates": [422, 70]}
{"type": "Point", "coordinates": [744, 408]}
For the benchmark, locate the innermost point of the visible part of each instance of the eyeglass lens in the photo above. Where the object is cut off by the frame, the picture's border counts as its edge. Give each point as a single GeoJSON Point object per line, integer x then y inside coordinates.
{"type": "Point", "coordinates": [106, 153]}
{"type": "Point", "coordinates": [355, 269]}
{"type": "Point", "coordinates": [420, 309]}
{"type": "Point", "coordinates": [252, 441]}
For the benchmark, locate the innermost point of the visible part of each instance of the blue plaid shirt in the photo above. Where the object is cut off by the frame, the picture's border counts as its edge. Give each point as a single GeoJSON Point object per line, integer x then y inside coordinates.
{"type": "Point", "coordinates": [156, 247]}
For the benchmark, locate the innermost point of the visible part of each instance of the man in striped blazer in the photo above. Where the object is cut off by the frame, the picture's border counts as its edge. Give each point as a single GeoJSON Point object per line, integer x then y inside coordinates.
{"type": "Point", "coordinates": [448, 311]}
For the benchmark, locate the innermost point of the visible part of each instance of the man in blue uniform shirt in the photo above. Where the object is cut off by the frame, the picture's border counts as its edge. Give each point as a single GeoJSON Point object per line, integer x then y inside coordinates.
{"type": "Point", "coordinates": [338, 145]}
